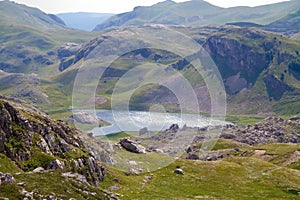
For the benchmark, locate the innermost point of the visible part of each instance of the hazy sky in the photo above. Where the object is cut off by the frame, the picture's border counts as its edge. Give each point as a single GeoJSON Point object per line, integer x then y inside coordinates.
{"type": "Point", "coordinates": [118, 6]}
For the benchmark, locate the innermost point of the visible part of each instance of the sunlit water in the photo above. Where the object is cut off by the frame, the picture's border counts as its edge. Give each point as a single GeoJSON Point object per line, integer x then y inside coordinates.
{"type": "Point", "coordinates": [132, 121]}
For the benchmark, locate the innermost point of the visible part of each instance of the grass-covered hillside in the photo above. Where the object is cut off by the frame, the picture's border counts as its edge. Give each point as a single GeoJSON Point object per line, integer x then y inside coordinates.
{"type": "Point", "coordinates": [289, 22]}
{"type": "Point", "coordinates": [29, 38]}
{"type": "Point", "coordinates": [199, 13]}
{"type": "Point", "coordinates": [30, 42]}
{"type": "Point", "coordinates": [234, 178]}
{"type": "Point", "coordinates": [259, 70]}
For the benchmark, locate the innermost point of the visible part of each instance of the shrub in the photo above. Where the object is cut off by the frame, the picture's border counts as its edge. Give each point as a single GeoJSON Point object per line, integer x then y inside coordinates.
{"type": "Point", "coordinates": [38, 159]}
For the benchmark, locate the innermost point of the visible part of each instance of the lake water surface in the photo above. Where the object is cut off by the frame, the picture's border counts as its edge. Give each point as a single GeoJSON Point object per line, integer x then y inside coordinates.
{"type": "Point", "coordinates": [132, 121]}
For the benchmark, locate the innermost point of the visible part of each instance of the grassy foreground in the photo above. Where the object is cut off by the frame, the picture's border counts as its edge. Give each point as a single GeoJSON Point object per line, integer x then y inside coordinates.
{"type": "Point", "coordinates": [249, 176]}
{"type": "Point", "coordinates": [255, 176]}
{"type": "Point", "coordinates": [234, 178]}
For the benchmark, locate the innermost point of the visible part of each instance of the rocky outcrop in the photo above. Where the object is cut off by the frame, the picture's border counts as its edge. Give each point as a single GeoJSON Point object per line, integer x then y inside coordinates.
{"type": "Point", "coordinates": [173, 128]}
{"type": "Point", "coordinates": [87, 49]}
{"type": "Point", "coordinates": [32, 139]}
{"type": "Point", "coordinates": [65, 63]}
{"type": "Point", "coordinates": [71, 53]}
{"type": "Point", "coordinates": [25, 86]}
{"type": "Point", "coordinates": [56, 164]}
{"type": "Point", "coordinates": [197, 154]}
{"type": "Point", "coordinates": [43, 59]}
{"type": "Point", "coordinates": [66, 54]}
{"type": "Point", "coordinates": [270, 130]}
{"type": "Point", "coordinates": [67, 50]}
{"type": "Point", "coordinates": [295, 118]}
{"type": "Point", "coordinates": [84, 118]}
{"type": "Point", "coordinates": [132, 146]}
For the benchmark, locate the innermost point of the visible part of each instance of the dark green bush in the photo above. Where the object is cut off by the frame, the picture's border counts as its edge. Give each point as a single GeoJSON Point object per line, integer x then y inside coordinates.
{"type": "Point", "coordinates": [38, 159]}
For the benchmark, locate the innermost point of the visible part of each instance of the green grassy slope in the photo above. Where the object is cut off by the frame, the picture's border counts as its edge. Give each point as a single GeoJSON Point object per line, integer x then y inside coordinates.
{"type": "Point", "coordinates": [50, 183]}
{"type": "Point", "coordinates": [29, 49]}
{"type": "Point", "coordinates": [249, 174]}
{"type": "Point", "coordinates": [234, 178]}
{"type": "Point", "coordinates": [262, 59]}
{"type": "Point", "coordinates": [29, 38]}
{"type": "Point", "coordinates": [44, 184]}
{"type": "Point", "coordinates": [29, 41]}
{"type": "Point", "coordinates": [290, 22]}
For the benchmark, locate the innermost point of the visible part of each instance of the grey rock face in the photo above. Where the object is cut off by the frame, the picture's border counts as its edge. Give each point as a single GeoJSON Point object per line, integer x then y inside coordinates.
{"type": "Point", "coordinates": [6, 178]}
{"type": "Point", "coordinates": [192, 156]}
{"type": "Point", "coordinates": [56, 164]}
{"type": "Point", "coordinates": [23, 127]}
{"type": "Point", "coordinates": [65, 63]}
{"type": "Point", "coordinates": [230, 52]}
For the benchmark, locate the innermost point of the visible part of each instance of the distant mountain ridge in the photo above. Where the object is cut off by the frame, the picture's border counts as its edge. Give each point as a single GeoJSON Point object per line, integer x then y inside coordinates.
{"type": "Point", "coordinates": [83, 20]}
{"type": "Point", "coordinates": [29, 37]}
{"type": "Point", "coordinates": [288, 25]}
{"type": "Point", "coordinates": [28, 16]}
{"type": "Point", "coordinates": [199, 13]}
{"type": "Point", "coordinates": [291, 21]}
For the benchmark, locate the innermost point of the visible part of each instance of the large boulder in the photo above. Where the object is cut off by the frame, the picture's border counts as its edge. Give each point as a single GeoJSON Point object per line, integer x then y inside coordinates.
{"type": "Point", "coordinates": [132, 146]}
{"type": "Point", "coordinates": [178, 171]}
